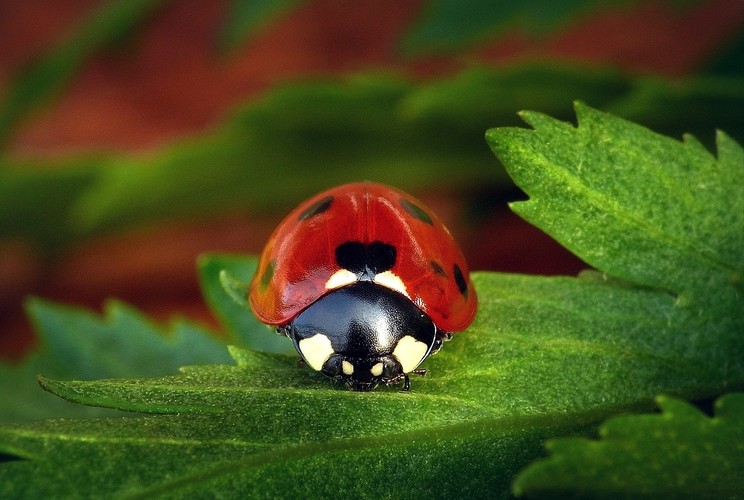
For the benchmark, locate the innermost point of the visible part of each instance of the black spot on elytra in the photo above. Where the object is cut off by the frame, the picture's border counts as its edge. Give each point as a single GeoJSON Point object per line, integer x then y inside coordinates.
{"type": "Point", "coordinates": [462, 285]}
{"type": "Point", "coordinates": [316, 208]}
{"type": "Point", "coordinates": [369, 260]}
{"type": "Point", "coordinates": [416, 211]}
{"type": "Point", "coordinates": [268, 273]}
{"type": "Point", "coordinates": [437, 267]}
{"type": "Point", "coordinates": [351, 255]}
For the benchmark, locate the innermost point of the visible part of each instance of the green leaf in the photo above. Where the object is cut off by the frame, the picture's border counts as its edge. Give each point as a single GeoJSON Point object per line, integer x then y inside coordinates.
{"type": "Point", "coordinates": [641, 235]}
{"type": "Point", "coordinates": [680, 453]}
{"type": "Point", "coordinates": [446, 25]}
{"type": "Point", "coordinates": [108, 24]}
{"type": "Point", "coordinates": [245, 17]}
{"type": "Point", "coordinates": [449, 25]}
{"type": "Point", "coordinates": [78, 344]}
{"type": "Point", "coordinates": [477, 98]}
{"type": "Point", "coordinates": [303, 137]}
{"type": "Point", "coordinates": [663, 214]}
{"type": "Point", "coordinates": [265, 445]}
{"type": "Point", "coordinates": [224, 283]}
{"type": "Point", "coordinates": [36, 201]}
{"type": "Point", "coordinates": [296, 141]}
{"type": "Point", "coordinates": [643, 208]}
{"type": "Point", "coordinates": [545, 356]}
{"type": "Point", "coordinates": [731, 61]}
{"type": "Point", "coordinates": [699, 104]}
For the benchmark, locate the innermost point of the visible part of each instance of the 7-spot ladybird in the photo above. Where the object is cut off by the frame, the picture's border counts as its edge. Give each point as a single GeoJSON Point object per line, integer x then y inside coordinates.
{"type": "Point", "coordinates": [366, 281]}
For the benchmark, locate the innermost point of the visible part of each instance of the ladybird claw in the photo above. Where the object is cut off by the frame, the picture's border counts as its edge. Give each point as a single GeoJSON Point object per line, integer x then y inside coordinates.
{"type": "Point", "coordinates": [407, 381]}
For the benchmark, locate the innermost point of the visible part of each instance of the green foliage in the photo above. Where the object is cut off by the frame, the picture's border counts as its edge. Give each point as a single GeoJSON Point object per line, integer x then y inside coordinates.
{"type": "Point", "coordinates": [78, 344]}
{"type": "Point", "coordinates": [447, 25]}
{"type": "Point", "coordinates": [731, 61]}
{"type": "Point", "coordinates": [680, 453]}
{"type": "Point", "coordinates": [231, 273]}
{"type": "Point", "coordinates": [36, 201]}
{"type": "Point", "coordinates": [664, 105]}
{"type": "Point", "coordinates": [660, 219]}
{"type": "Point", "coordinates": [595, 207]}
{"type": "Point", "coordinates": [303, 137]}
{"type": "Point", "coordinates": [40, 80]}
{"type": "Point", "coordinates": [549, 366]}
{"type": "Point", "coordinates": [269, 428]}
{"type": "Point", "coordinates": [443, 26]}
{"type": "Point", "coordinates": [244, 17]}
{"type": "Point", "coordinates": [545, 357]}
{"type": "Point", "coordinates": [274, 150]}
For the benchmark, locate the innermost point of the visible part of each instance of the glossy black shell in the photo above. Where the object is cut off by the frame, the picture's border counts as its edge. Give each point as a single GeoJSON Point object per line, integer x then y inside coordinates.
{"type": "Point", "coordinates": [365, 322]}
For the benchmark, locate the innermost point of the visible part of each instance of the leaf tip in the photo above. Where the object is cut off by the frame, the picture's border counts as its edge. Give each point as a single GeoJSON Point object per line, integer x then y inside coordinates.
{"type": "Point", "coordinates": [238, 354]}
{"type": "Point", "coordinates": [585, 112]}
{"type": "Point", "coordinates": [49, 385]}
{"type": "Point", "coordinates": [672, 407]}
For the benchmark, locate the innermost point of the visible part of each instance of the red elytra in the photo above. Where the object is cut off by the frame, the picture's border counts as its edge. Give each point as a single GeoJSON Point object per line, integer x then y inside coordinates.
{"type": "Point", "coordinates": [301, 255]}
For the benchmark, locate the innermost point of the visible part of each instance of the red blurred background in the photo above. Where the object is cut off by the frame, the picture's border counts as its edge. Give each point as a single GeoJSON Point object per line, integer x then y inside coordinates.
{"type": "Point", "coordinates": [169, 81]}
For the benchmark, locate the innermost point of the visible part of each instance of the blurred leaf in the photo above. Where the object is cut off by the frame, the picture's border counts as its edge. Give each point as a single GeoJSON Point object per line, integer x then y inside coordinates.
{"type": "Point", "coordinates": [482, 97]}
{"type": "Point", "coordinates": [239, 323]}
{"type": "Point", "coordinates": [680, 453]}
{"type": "Point", "coordinates": [296, 141]}
{"type": "Point", "coordinates": [244, 17]}
{"type": "Point", "coordinates": [78, 344]}
{"type": "Point", "coordinates": [301, 138]}
{"type": "Point", "coordinates": [36, 202]}
{"type": "Point", "coordinates": [731, 61]}
{"type": "Point", "coordinates": [694, 105]}
{"type": "Point", "coordinates": [449, 25]}
{"type": "Point", "coordinates": [33, 86]}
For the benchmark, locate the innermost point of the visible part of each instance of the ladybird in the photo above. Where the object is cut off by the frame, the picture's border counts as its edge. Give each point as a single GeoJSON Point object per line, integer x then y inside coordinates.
{"type": "Point", "coordinates": [366, 281]}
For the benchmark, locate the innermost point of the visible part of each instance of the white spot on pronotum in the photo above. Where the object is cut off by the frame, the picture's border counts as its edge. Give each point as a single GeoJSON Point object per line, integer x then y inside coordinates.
{"type": "Point", "coordinates": [376, 369]}
{"type": "Point", "coordinates": [347, 367]}
{"type": "Point", "coordinates": [316, 350]}
{"type": "Point", "coordinates": [340, 278]}
{"type": "Point", "coordinates": [410, 352]}
{"type": "Point", "coordinates": [390, 280]}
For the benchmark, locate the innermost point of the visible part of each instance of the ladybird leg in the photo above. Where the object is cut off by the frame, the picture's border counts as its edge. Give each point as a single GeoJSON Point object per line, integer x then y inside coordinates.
{"type": "Point", "coordinates": [407, 381]}
{"type": "Point", "coordinates": [442, 337]}
{"type": "Point", "coordinates": [284, 331]}
{"type": "Point", "coordinates": [301, 362]}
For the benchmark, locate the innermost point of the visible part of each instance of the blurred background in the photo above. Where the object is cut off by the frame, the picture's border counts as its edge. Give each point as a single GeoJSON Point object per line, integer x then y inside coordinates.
{"type": "Point", "coordinates": [136, 135]}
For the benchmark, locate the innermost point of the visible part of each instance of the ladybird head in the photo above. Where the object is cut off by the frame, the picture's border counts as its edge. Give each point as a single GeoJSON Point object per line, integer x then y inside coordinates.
{"type": "Point", "coordinates": [364, 334]}
{"type": "Point", "coordinates": [363, 374]}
